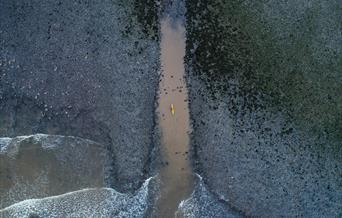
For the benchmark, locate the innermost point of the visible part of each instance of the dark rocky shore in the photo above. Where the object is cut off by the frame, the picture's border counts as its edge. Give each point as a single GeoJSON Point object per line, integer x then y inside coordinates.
{"type": "Point", "coordinates": [78, 84]}
{"type": "Point", "coordinates": [82, 68]}
{"type": "Point", "coordinates": [265, 84]}
{"type": "Point", "coordinates": [88, 70]}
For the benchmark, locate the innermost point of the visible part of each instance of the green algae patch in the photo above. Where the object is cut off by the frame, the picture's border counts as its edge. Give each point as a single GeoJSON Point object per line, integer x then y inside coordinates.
{"type": "Point", "coordinates": [288, 55]}
{"type": "Point", "coordinates": [143, 13]}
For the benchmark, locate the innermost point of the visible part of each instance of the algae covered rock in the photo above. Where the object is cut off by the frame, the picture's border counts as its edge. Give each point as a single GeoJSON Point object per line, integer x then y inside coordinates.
{"type": "Point", "coordinates": [265, 82]}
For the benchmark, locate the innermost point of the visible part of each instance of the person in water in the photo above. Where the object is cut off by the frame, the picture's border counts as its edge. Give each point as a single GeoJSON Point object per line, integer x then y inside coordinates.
{"type": "Point", "coordinates": [172, 109]}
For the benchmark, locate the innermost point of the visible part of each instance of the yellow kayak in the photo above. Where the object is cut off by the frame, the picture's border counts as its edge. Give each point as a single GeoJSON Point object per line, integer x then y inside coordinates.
{"type": "Point", "coordinates": [172, 109]}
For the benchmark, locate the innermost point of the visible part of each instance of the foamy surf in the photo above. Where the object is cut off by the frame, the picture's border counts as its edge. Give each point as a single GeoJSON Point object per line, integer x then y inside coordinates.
{"type": "Point", "coordinates": [204, 204]}
{"type": "Point", "coordinates": [92, 202]}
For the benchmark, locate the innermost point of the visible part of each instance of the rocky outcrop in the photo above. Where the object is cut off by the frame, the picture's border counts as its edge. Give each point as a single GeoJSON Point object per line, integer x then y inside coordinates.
{"type": "Point", "coordinates": [263, 83]}
{"type": "Point", "coordinates": [40, 166]}
{"type": "Point", "coordinates": [82, 68]}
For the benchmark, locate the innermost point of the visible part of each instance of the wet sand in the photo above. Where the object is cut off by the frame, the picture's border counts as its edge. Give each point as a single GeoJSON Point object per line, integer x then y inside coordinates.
{"type": "Point", "coordinates": [176, 174]}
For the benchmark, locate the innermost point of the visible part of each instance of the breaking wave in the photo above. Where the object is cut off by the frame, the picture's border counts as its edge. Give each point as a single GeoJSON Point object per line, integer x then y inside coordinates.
{"type": "Point", "coordinates": [94, 202]}
{"type": "Point", "coordinates": [204, 204]}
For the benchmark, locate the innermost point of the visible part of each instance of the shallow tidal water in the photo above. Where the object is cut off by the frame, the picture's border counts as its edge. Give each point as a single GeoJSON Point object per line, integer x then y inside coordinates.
{"type": "Point", "coordinates": [176, 174]}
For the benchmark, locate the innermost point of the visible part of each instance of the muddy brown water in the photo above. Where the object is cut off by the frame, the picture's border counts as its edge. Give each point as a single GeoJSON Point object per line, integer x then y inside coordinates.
{"type": "Point", "coordinates": [176, 174]}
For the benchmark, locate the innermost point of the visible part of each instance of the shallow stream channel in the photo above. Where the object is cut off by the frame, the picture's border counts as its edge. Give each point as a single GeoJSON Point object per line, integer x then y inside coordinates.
{"type": "Point", "coordinates": [176, 175]}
